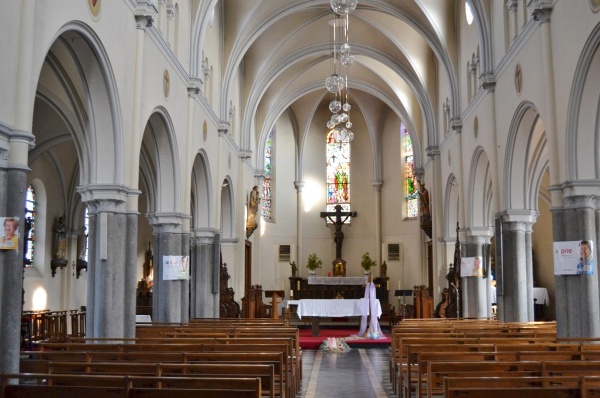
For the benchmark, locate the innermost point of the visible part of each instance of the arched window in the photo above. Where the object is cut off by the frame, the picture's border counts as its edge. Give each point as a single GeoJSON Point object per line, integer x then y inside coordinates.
{"type": "Point", "coordinates": [267, 207]}
{"type": "Point", "coordinates": [30, 206]}
{"type": "Point", "coordinates": [412, 195]}
{"type": "Point", "coordinates": [338, 174]}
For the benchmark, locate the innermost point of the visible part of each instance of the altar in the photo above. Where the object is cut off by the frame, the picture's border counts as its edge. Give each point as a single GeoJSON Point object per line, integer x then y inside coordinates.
{"type": "Point", "coordinates": [322, 287]}
{"type": "Point", "coordinates": [333, 308]}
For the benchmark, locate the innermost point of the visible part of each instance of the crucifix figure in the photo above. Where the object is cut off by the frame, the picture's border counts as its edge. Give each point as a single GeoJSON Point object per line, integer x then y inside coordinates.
{"type": "Point", "coordinates": [338, 222]}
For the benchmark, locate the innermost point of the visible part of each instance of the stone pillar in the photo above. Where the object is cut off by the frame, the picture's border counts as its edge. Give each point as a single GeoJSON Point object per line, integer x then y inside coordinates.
{"type": "Point", "coordinates": [112, 261]}
{"type": "Point", "coordinates": [476, 289]}
{"type": "Point", "coordinates": [577, 300]}
{"type": "Point", "coordinates": [13, 185]}
{"type": "Point", "coordinates": [204, 303]}
{"type": "Point", "coordinates": [516, 302]}
{"type": "Point", "coordinates": [170, 298]}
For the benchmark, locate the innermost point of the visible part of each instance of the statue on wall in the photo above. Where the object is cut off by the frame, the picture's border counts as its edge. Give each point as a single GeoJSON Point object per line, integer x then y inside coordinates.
{"type": "Point", "coordinates": [253, 202]}
{"type": "Point", "coordinates": [424, 209]}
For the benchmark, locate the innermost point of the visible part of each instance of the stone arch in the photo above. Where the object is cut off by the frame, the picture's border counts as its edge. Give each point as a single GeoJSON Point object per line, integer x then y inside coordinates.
{"type": "Point", "coordinates": [526, 159]}
{"type": "Point", "coordinates": [76, 81]}
{"type": "Point", "coordinates": [227, 209]}
{"type": "Point", "coordinates": [160, 160]}
{"type": "Point", "coordinates": [452, 210]}
{"type": "Point", "coordinates": [582, 118]}
{"type": "Point", "coordinates": [479, 201]}
{"type": "Point", "coordinates": [201, 192]}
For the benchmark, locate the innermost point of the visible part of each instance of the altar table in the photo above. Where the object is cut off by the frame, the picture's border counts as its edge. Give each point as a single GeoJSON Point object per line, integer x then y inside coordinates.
{"type": "Point", "coordinates": [333, 308]}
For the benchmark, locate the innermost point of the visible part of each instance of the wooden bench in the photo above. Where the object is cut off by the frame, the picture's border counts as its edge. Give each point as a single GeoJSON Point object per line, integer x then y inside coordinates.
{"type": "Point", "coordinates": [71, 386]}
{"type": "Point", "coordinates": [437, 371]}
{"type": "Point", "coordinates": [512, 387]}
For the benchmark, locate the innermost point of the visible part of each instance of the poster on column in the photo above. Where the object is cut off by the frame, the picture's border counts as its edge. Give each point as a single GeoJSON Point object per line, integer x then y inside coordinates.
{"type": "Point", "coordinates": [10, 234]}
{"type": "Point", "coordinates": [470, 266]}
{"type": "Point", "coordinates": [574, 257]}
{"type": "Point", "coordinates": [176, 268]}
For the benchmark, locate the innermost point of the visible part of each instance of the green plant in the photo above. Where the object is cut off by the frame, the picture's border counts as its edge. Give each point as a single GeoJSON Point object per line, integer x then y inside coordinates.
{"type": "Point", "coordinates": [366, 262]}
{"type": "Point", "coordinates": [314, 262]}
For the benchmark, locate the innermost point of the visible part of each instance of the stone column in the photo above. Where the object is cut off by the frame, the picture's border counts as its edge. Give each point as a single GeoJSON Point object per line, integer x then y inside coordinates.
{"type": "Point", "coordinates": [112, 261]}
{"type": "Point", "coordinates": [204, 303]}
{"type": "Point", "coordinates": [13, 185]}
{"type": "Point", "coordinates": [516, 303]}
{"type": "Point", "coordinates": [170, 298]}
{"type": "Point", "coordinates": [476, 289]}
{"type": "Point", "coordinates": [577, 300]}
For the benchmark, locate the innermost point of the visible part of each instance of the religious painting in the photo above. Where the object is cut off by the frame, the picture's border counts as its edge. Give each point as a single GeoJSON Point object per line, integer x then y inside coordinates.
{"type": "Point", "coordinates": [10, 237]}
{"type": "Point", "coordinates": [176, 268]}
{"type": "Point", "coordinates": [574, 257]}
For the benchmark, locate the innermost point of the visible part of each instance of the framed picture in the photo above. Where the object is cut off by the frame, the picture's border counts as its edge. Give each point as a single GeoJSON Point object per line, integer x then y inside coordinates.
{"type": "Point", "coordinates": [10, 235]}
{"type": "Point", "coordinates": [176, 268]}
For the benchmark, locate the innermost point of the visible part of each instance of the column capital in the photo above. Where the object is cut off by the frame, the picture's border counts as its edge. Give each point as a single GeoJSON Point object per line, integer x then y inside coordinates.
{"type": "Point", "coordinates": [167, 222]}
{"type": "Point", "coordinates": [524, 216]}
{"type": "Point", "coordinates": [299, 185]}
{"type": "Point", "coordinates": [206, 236]}
{"type": "Point", "coordinates": [581, 202]}
{"type": "Point", "coordinates": [223, 128]}
{"type": "Point", "coordinates": [377, 184]}
{"type": "Point", "coordinates": [480, 232]}
{"type": "Point", "coordinates": [112, 198]}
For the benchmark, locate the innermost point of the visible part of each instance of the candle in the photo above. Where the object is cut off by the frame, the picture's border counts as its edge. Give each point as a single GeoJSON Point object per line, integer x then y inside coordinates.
{"type": "Point", "coordinates": [329, 273]}
{"type": "Point", "coordinates": [399, 285]}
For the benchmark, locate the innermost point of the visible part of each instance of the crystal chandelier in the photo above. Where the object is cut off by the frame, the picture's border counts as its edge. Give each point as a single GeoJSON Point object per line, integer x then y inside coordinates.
{"type": "Point", "coordinates": [341, 59]}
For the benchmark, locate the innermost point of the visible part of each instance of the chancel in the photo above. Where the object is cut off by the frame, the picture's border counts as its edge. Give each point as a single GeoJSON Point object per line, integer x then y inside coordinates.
{"type": "Point", "coordinates": [339, 264]}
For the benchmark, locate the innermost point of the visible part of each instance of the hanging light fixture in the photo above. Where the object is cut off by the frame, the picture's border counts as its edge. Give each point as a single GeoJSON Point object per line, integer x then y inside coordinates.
{"type": "Point", "coordinates": [341, 59]}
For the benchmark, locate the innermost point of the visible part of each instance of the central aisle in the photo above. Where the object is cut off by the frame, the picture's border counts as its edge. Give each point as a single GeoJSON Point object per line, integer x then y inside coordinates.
{"type": "Point", "coordinates": [359, 373]}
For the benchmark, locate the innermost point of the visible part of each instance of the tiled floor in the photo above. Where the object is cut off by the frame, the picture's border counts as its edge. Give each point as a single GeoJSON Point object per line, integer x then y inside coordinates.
{"type": "Point", "coordinates": [360, 373]}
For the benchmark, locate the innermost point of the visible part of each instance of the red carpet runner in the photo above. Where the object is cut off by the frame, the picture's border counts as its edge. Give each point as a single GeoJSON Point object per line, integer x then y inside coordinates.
{"type": "Point", "coordinates": [308, 342]}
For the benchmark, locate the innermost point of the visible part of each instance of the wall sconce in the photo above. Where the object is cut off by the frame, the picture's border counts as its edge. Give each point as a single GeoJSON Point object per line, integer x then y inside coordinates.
{"type": "Point", "coordinates": [81, 265]}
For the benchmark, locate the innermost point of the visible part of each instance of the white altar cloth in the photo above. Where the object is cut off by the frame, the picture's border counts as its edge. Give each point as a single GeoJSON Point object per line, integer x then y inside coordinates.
{"type": "Point", "coordinates": [541, 295]}
{"type": "Point", "coordinates": [335, 308]}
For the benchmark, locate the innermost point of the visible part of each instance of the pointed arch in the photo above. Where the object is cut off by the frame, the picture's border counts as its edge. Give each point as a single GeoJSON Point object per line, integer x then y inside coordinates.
{"type": "Point", "coordinates": [583, 124]}
{"type": "Point", "coordinates": [480, 191]}
{"type": "Point", "coordinates": [526, 158]}
{"type": "Point", "coordinates": [159, 150]}
{"type": "Point", "coordinates": [452, 212]}
{"type": "Point", "coordinates": [201, 192]}
{"type": "Point", "coordinates": [227, 209]}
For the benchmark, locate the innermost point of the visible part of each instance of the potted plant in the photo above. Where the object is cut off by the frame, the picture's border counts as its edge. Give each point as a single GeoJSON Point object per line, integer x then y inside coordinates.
{"type": "Point", "coordinates": [367, 263]}
{"type": "Point", "coordinates": [314, 263]}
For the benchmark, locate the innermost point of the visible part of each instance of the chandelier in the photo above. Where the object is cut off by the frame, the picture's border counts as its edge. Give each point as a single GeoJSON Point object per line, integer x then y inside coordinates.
{"type": "Point", "coordinates": [341, 59]}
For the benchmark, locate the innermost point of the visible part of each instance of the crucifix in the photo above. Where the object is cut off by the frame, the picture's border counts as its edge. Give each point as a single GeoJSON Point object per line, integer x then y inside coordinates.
{"type": "Point", "coordinates": [339, 265]}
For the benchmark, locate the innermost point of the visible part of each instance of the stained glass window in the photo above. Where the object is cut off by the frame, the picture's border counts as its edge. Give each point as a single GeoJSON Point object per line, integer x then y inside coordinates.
{"type": "Point", "coordinates": [338, 174]}
{"type": "Point", "coordinates": [266, 195]}
{"type": "Point", "coordinates": [412, 195]}
{"type": "Point", "coordinates": [30, 206]}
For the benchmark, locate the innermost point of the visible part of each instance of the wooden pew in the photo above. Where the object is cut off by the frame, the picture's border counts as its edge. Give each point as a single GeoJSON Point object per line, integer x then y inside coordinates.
{"type": "Point", "coordinates": [512, 387]}
{"type": "Point", "coordinates": [187, 393]}
{"type": "Point", "coordinates": [437, 371]}
{"type": "Point", "coordinates": [71, 386]}
{"type": "Point", "coordinates": [33, 390]}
